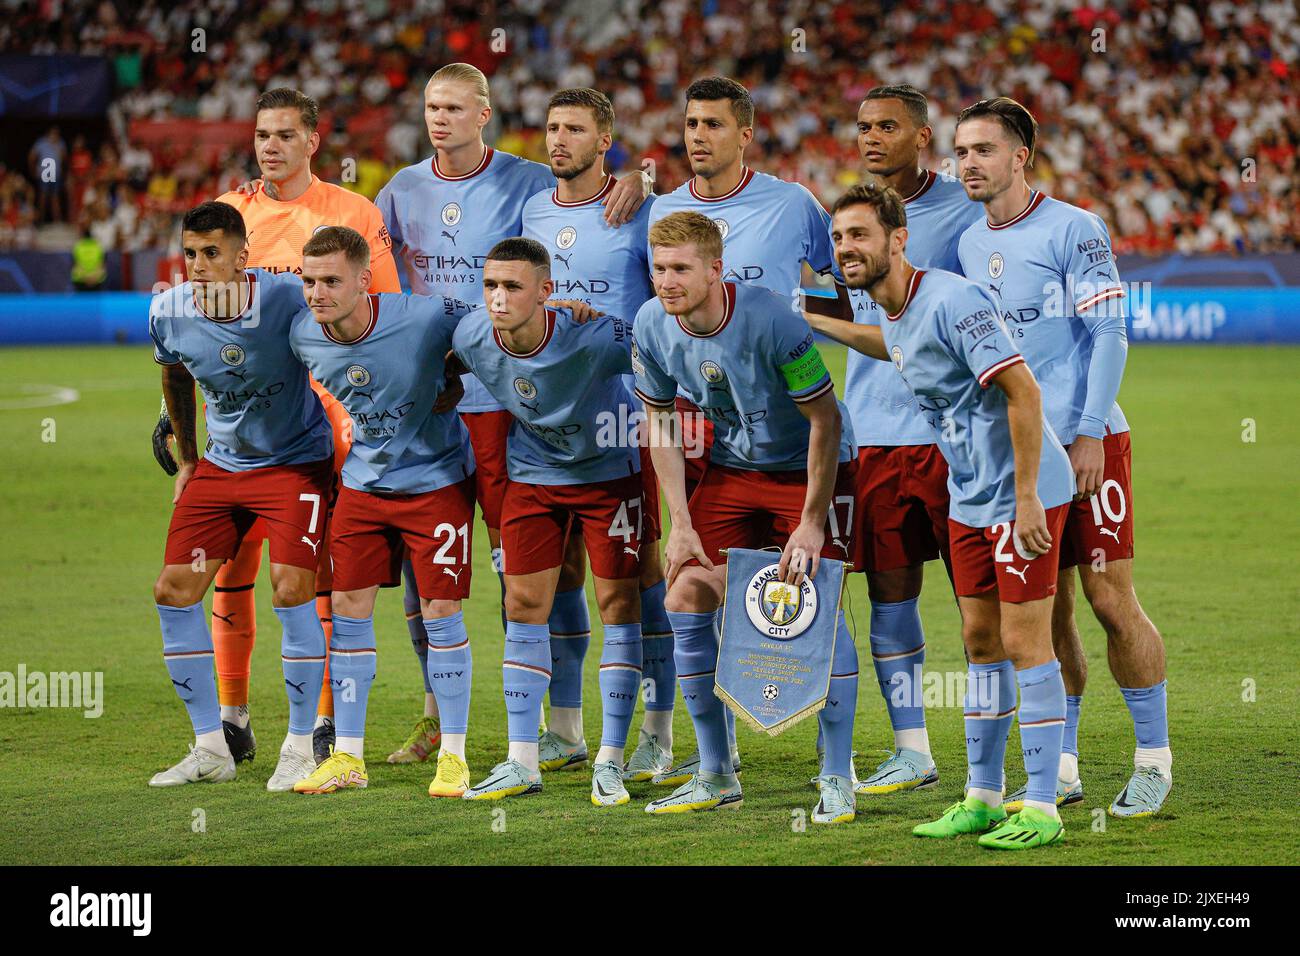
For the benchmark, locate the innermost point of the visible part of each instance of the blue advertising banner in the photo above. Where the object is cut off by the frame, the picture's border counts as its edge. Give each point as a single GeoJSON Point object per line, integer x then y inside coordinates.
{"type": "Point", "coordinates": [778, 640]}
{"type": "Point", "coordinates": [54, 86]}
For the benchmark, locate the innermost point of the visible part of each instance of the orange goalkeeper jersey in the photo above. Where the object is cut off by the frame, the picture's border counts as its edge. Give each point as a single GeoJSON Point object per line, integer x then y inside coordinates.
{"type": "Point", "coordinates": [278, 230]}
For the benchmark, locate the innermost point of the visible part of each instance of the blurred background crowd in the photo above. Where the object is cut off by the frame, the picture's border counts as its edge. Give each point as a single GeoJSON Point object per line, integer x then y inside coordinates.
{"type": "Point", "coordinates": [1178, 123]}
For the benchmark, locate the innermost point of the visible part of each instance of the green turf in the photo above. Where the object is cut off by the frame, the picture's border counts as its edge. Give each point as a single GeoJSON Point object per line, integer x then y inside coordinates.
{"type": "Point", "coordinates": [85, 517]}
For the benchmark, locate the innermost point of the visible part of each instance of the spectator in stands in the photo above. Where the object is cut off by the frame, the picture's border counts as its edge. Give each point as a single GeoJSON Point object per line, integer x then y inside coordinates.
{"type": "Point", "coordinates": [48, 162]}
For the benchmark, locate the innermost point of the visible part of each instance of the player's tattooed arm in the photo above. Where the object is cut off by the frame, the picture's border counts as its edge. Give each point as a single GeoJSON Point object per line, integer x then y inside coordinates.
{"type": "Point", "coordinates": [802, 552]}
{"type": "Point", "coordinates": [182, 408]}
{"type": "Point", "coordinates": [663, 430]}
{"type": "Point", "coordinates": [628, 194]}
{"type": "Point", "coordinates": [866, 339]}
{"type": "Point", "coordinates": [1025, 421]}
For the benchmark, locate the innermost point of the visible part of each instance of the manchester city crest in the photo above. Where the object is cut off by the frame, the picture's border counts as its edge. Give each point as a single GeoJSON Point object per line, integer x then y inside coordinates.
{"type": "Point", "coordinates": [566, 237]}
{"type": "Point", "coordinates": [712, 372]}
{"type": "Point", "coordinates": [525, 389]}
{"type": "Point", "coordinates": [358, 376]}
{"type": "Point", "coordinates": [897, 355]}
{"type": "Point", "coordinates": [995, 265]}
{"type": "Point", "coordinates": [232, 354]}
{"type": "Point", "coordinates": [723, 227]}
{"type": "Point", "coordinates": [780, 610]}
{"type": "Point", "coordinates": [451, 214]}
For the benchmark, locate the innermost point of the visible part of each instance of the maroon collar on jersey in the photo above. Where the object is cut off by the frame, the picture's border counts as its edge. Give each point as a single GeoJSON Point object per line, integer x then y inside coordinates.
{"type": "Point", "coordinates": [546, 337]}
{"type": "Point", "coordinates": [729, 299]}
{"type": "Point", "coordinates": [374, 320]}
{"type": "Point", "coordinates": [912, 288]}
{"type": "Point", "coordinates": [487, 159]}
{"type": "Point", "coordinates": [921, 190]}
{"type": "Point", "coordinates": [252, 293]}
{"type": "Point", "coordinates": [746, 174]}
{"type": "Point", "coordinates": [606, 188]}
{"type": "Point", "coordinates": [1035, 201]}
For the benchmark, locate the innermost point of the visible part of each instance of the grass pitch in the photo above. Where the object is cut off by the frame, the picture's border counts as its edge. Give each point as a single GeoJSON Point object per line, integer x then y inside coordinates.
{"type": "Point", "coordinates": [85, 513]}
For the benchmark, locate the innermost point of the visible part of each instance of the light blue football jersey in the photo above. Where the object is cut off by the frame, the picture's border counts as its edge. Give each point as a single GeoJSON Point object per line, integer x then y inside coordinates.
{"type": "Point", "coordinates": [443, 228]}
{"type": "Point", "coordinates": [565, 397]}
{"type": "Point", "coordinates": [948, 342]}
{"type": "Point", "coordinates": [259, 406]}
{"type": "Point", "coordinates": [388, 381]}
{"type": "Point", "coordinates": [747, 377]}
{"type": "Point", "coordinates": [1052, 270]}
{"type": "Point", "coordinates": [592, 261]}
{"type": "Point", "coordinates": [883, 408]}
{"type": "Point", "coordinates": [769, 227]}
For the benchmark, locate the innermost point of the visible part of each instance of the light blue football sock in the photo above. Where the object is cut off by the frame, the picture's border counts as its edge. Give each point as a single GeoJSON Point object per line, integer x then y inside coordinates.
{"type": "Point", "coordinates": [1070, 737]}
{"type": "Point", "coordinates": [658, 672]}
{"type": "Point", "coordinates": [527, 672]}
{"type": "Point", "coordinates": [696, 657]}
{"type": "Point", "coordinates": [415, 622]}
{"type": "Point", "coordinates": [990, 707]}
{"type": "Point", "coordinates": [835, 720]}
{"type": "Point", "coordinates": [898, 653]}
{"type": "Point", "coordinates": [302, 658]}
{"type": "Point", "coordinates": [352, 671]}
{"type": "Point", "coordinates": [1148, 708]}
{"type": "Point", "coordinates": [620, 678]}
{"type": "Point", "coordinates": [187, 652]}
{"type": "Point", "coordinates": [450, 670]}
{"type": "Point", "coordinates": [570, 626]}
{"type": "Point", "coordinates": [1042, 724]}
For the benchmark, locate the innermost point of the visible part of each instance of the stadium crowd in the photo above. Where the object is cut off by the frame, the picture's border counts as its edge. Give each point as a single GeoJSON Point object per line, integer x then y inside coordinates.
{"type": "Point", "coordinates": [1179, 124]}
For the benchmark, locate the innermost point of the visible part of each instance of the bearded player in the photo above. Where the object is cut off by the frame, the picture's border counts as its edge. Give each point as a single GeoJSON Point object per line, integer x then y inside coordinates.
{"type": "Point", "coordinates": [445, 214]}
{"type": "Point", "coordinates": [608, 268]}
{"type": "Point", "coordinates": [781, 452]}
{"type": "Point", "coordinates": [902, 479]}
{"type": "Point", "coordinates": [281, 213]}
{"type": "Point", "coordinates": [1051, 267]}
{"type": "Point", "coordinates": [1010, 486]}
{"type": "Point", "coordinates": [769, 227]}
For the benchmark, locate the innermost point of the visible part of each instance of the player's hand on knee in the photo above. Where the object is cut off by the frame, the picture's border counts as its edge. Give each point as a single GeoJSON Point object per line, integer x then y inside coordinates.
{"type": "Point", "coordinates": [1031, 535]}
{"type": "Point", "coordinates": [1088, 459]}
{"type": "Point", "coordinates": [802, 553]}
{"type": "Point", "coordinates": [162, 442]}
{"type": "Point", "coordinates": [183, 475]}
{"type": "Point", "coordinates": [683, 545]}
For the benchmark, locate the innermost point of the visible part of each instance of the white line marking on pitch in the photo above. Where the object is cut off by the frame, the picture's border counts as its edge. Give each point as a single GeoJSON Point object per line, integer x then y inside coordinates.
{"type": "Point", "coordinates": [39, 396]}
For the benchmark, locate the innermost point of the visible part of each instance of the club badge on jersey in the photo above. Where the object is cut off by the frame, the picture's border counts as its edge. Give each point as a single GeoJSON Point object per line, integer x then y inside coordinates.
{"type": "Point", "coordinates": [778, 641]}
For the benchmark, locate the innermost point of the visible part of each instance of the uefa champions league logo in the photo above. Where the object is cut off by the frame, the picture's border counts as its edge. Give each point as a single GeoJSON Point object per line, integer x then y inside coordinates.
{"type": "Point", "coordinates": [780, 610]}
{"type": "Point", "coordinates": [771, 692]}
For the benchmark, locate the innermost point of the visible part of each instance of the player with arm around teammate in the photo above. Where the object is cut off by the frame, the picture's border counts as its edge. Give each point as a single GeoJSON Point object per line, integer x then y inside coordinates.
{"type": "Point", "coordinates": [408, 485]}
{"type": "Point", "coordinates": [562, 382]}
{"type": "Point", "coordinates": [1010, 483]}
{"type": "Point", "coordinates": [268, 457]}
